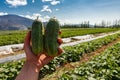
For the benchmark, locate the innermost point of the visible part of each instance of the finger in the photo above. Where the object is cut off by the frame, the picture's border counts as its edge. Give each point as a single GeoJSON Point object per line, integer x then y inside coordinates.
{"type": "Point", "coordinates": [27, 40]}
{"type": "Point", "coordinates": [60, 51]}
{"type": "Point", "coordinates": [60, 41]}
{"type": "Point", "coordinates": [27, 47]}
{"type": "Point", "coordinates": [45, 59]}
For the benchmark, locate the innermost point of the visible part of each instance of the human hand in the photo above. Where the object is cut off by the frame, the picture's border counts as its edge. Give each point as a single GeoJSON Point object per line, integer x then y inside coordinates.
{"type": "Point", "coordinates": [37, 60]}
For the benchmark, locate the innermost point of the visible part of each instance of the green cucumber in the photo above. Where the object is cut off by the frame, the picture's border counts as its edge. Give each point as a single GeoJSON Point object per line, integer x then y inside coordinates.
{"type": "Point", "coordinates": [51, 35]}
{"type": "Point", "coordinates": [37, 37]}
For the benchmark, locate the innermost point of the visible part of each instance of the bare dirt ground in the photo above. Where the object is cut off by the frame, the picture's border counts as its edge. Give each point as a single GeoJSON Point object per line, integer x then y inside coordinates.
{"type": "Point", "coordinates": [15, 53]}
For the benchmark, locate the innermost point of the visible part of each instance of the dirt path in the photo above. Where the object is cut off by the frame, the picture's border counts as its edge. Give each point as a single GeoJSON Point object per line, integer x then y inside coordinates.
{"type": "Point", "coordinates": [69, 66]}
{"type": "Point", "coordinates": [11, 54]}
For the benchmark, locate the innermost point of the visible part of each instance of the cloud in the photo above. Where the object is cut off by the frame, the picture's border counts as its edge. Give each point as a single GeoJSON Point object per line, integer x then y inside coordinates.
{"type": "Point", "coordinates": [57, 9]}
{"type": "Point", "coordinates": [15, 3]}
{"type": "Point", "coordinates": [3, 13]}
{"type": "Point", "coordinates": [65, 21]}
{"type": "Point", "coordinates": [33, 16]}
{"type": "Point", "coordinates": [54, 2]}
{"type": "Point", "coordinates": [33, 1]}
{"type": "Point", "coordinates": [27, 16]}
{"type": "Point", "coordinates": [36, 14]}
{"type": "Point", "coordinates": [46, 9]}
{"type": "Point", "coordinates": [45, 18]}
{"type": "Point", "coordinates": [46, 0]}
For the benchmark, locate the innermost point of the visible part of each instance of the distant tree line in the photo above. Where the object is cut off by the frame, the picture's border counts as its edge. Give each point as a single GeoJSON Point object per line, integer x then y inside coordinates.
{"type": "Point", "coordinates": [86, 24]}
{"type": "Point", "coordinates": [106, 24]}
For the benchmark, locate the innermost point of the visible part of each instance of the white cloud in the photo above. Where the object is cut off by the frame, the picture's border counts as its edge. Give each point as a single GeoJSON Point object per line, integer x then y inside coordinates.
{"type": "Point", "coordinates": [15, 3]}
{"type": "Point", "coordinates": [46, 9]}
{"type": "Point", "coordinates": [28, 16]}
{"type": "Point", "coordinates": [46, 0]}
{"type": "Point", "coordinates": [65, 21]}
{"type": "Point", "coordinates": [46, 17]}
{"type": "Point", "coordinates": [2, 13]}
{"type": "Point", "coordinates": [54, 2]}
{"type": "Point", "coordinates": [57, 9]}
{"type": "Point", "coordinates": [33, 1]}
{"type": "Point", "coordinates": [33, 16]}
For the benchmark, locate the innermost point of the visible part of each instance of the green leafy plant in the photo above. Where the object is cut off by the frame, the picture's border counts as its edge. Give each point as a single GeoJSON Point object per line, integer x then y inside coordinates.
{"type": "Point", "coordinates": [103, 67]}
{"type": "Point", "coordinates": [8, 71]}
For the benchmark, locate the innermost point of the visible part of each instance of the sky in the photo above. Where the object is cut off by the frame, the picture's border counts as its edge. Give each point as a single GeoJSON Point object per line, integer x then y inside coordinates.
{"type": "Point", "coordinates": [66, 11]}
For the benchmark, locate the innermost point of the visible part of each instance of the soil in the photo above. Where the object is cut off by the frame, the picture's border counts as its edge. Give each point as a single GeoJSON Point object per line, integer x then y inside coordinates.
{"type": "Point", "coordinates": [15, 53]}
{"type": "Point", "coordinates": [69, 66]}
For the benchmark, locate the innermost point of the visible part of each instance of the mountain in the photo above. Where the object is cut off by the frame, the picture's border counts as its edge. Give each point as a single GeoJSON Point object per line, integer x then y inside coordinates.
{"type": "Point", "coordinates": [14, 22]}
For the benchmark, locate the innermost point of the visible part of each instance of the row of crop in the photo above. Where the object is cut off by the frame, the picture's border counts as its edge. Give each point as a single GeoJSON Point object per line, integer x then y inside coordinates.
{"type": "Point", "coordinates": [103, 67]}
{"type": "Point", "coordinates": [11, 37]}
{"type": "Point", "coordinates": [8, 71]}
{"type": "Point", "coordinates": [12, 32]}
{"type": "Point", "coordinates": [69, 32]}
{"type": "Point", "coordinates": [74, 53]}
{"type": "Point", "coordinates": [15, 37]}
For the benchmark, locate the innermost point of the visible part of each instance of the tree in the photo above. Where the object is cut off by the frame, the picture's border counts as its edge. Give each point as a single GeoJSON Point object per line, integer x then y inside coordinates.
{"type": "Point", "coordinates": [103, 24]}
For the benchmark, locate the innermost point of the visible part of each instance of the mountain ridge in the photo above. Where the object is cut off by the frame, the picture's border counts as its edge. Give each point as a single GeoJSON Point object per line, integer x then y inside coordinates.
{"type": "Point", "coordinates": [14, 22]}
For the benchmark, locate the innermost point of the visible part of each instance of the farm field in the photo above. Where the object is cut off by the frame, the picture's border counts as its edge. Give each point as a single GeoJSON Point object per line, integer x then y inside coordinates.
{"type": "Point", "coordinates": [60, 40]}
{"type": "Point", "coordinates": [9, 70]}
{"type": "Point", "coordinates": [62, 72]}
{"type": "Point", "coordinates": [16, 37]}
{"type": "Point", "coordinates": [102, 67]}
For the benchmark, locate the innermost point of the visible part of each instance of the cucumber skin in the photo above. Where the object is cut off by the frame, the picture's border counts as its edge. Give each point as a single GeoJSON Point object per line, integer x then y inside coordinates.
{"type": "Point", "coordinates": [37, 37]}
{"type": "Point", "coordinates": [51, 35]}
